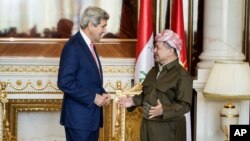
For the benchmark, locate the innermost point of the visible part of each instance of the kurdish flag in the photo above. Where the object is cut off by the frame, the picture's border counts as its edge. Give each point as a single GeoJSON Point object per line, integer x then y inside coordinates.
{"type": "Point", "coordinates": [144, 50]}
{"type": "Point", "coordinates": [177, 25]}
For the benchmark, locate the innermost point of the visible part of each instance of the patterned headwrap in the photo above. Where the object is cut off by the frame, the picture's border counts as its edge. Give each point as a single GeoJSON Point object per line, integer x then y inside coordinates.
{"type": "Point", "coordinates": [171, 38]}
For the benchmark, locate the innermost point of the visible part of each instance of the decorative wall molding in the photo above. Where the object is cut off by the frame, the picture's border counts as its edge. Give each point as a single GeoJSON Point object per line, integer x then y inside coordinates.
{"type": "Point", "coordinates": [28, 69]}
{"type": "Point", "coordinates": [54, 69]}
{"type": "Point", "coordinates": [39, 75]}
{"type": "Point", "coordinates": [31, 84]}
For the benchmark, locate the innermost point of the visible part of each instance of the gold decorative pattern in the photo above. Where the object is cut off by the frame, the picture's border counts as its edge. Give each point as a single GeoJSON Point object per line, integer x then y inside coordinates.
{"type": "Point", "coordinates": [35, 92]}
{"type": "Point", "coordinates": [133, 123]}
{"type": "Point", "coordinates": [118, 69]}
{"type": "Point", "coordinates": [29, 69]}
{"type": "Point", "coordinates": [37, 87]}
{"type": "Point", "coordinates": [7, 135]}
{"type": "Point", "coordinates": [126, 120]}
{"type": "Point", "coordinates": [28, 105]}
{"type": "Point", "coordinates": [19, 82]}
{"type": "Point", "coordinates": [54, 69]}
{"type": "Point", "coordinates": [50, 105]}
{"type": "Point", "coordinates": [39, 83]}
{"type": "Point", "coordinates": [137, 89]}
{"type": "Point", "coordinates": [126, 123]}
{"type": "Point", "coordinates": [106, 133]}
{"type": "Point", "coordinates": [48, 87]}
{"type": "Point", "coordinates": [113, 87]}
{"type": "Point", "coordinates": [223, 97]}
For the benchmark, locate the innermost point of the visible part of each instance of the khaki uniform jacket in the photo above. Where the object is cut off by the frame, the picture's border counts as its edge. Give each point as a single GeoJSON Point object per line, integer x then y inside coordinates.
{"type": "Point", "coordinates": [173, 88]}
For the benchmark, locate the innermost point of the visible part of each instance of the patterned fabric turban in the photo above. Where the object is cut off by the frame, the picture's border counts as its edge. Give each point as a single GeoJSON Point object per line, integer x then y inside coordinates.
{"type": "Point", "coordinates": [171, 38]}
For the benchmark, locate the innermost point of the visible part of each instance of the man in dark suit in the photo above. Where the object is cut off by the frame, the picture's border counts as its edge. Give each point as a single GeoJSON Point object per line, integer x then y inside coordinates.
{"type": "Point", "coordinates": [80, 78]}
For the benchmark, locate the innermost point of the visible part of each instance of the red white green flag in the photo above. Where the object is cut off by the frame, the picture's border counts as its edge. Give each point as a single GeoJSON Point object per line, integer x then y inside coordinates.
{"type": "Point", "coordinates": [177, 25]}
{"type": "Point", "coordinates": [144, 50]}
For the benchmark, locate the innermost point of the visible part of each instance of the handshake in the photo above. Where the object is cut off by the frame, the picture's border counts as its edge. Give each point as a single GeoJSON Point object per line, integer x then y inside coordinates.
{"type": "Point", "coordinates": [125, 101]}
{"type": "Point", "coordinates": [104, 99]}
{"type": "Point", "coordinates": [149, 111]}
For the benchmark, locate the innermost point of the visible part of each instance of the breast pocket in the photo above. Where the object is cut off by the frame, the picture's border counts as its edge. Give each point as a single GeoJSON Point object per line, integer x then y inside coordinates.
{"type": "Point", "coordinates": [147, 87]}
{"type": "Point", "coordinates": [166, 93]}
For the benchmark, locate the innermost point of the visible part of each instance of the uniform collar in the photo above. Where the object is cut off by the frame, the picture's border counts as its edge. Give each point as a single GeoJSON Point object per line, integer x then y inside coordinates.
{"type": "Point", "coordinates": [169, 65]}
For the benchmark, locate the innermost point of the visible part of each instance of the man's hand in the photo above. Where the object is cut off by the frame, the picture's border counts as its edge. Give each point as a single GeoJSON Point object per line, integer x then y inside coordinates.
{"type": "Point", "coordinates": [125, 101]}
{"type": "Point", "coordinates": [107, 98]}
{"type": "Point", "coordinates": [156, 110]}
{"type": "Point", "coordinates": [101, 100]}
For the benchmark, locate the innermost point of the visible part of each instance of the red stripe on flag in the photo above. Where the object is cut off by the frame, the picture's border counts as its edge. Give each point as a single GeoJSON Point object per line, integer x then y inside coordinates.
{"type": "Point", "coordinates": [145, 26]}
{"type": "Point", "coordinates": [144, 50]}
{"type": "Point", "coordinates": [177, 25]}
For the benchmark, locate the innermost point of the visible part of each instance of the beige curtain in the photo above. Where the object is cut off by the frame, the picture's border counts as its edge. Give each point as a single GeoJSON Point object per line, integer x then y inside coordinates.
{"type": "Point", "coordinates": [40, 14]}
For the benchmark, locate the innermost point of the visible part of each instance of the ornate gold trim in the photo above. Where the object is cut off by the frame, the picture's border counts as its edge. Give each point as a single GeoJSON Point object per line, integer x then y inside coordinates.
{"type": "Point", "coordinates": [29, 69]}
{"type": "Point", "coordinates": [37, 87]}
{"type": "Point", "coordinates": [223, 97]}
{"type": "Point", "coordinates": [28, 105]}
{"type": "Point", "coordinates": [135, 90]}
{"type": "Point", "coordinates": [50, 105]}
{"type": "Point", "coordinates": [126, 124]}
{"type": "Point", "coordinates": [35, 92]}
{"type": "Point", "coordinates": [41, 87]}
{"type": "Point", "coordinates": [118, 69]}
{"type": "Point", "coordinates": [122, 115]}
{"type": "Point", "coordinates": [6, 134]}
{"type": "Point", "coordinates": [115, 87]}
{"type": "Point", "coordinates": [54, 69]}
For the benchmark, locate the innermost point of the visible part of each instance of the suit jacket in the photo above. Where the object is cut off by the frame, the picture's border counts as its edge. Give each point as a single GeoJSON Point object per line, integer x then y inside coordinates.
{"type": "Point", "coordinates": [80, 80]}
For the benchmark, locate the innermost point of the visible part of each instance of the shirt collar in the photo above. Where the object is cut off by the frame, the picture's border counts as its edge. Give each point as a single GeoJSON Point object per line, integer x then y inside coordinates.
{"type": "Point", "coordinates": [160, 67]}
{"type": "Point", "coordinates": [86, 38]}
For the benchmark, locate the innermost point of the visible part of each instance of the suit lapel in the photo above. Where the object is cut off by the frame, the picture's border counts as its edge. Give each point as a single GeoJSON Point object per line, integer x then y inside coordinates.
{"type": "Point", "coordinates": [89, 55]}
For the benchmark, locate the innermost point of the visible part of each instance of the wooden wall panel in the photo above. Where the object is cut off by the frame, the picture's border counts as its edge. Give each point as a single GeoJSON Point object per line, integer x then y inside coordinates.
{"type": "Point", "coordinates": [112, 48]}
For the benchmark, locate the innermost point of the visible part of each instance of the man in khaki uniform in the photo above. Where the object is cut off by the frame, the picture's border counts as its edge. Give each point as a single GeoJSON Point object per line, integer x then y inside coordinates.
{"type": "Point", "coordinates": [167, 93]}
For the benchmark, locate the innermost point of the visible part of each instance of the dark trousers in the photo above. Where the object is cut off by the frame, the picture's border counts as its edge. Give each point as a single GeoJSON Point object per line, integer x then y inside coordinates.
{"type": "Point", "coordinates": [81, 135]}
{"type": "Point", "coordinates": [163, 131]}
